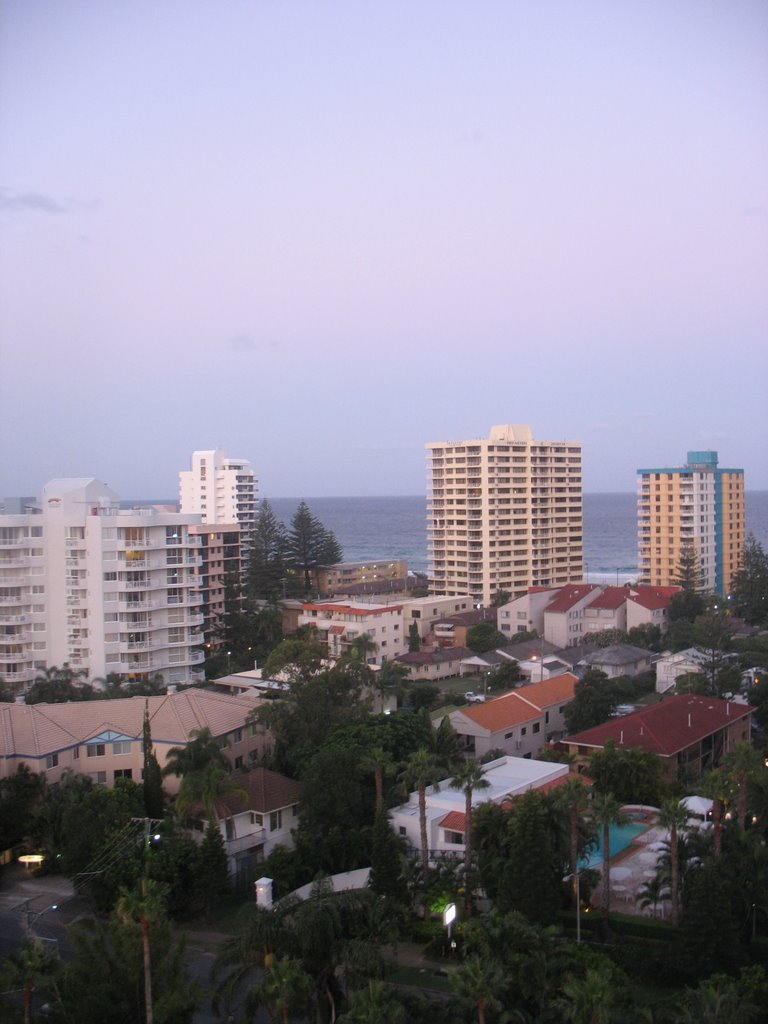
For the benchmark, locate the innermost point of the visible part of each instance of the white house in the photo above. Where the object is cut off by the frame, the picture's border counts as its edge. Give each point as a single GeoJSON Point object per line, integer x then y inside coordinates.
{"type": "Point", "coordinates": [260, 818]}
{"type": "Point", "coordinates": [446, 821]}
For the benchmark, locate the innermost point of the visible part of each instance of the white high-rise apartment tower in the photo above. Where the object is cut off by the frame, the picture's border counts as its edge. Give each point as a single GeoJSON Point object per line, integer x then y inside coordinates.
{"type": "Point", "coordinates": [103, 589]}
{"type": "Point", "coordinates": [220, 489]}
{"type": "Point", "coordinates": [503, 514]}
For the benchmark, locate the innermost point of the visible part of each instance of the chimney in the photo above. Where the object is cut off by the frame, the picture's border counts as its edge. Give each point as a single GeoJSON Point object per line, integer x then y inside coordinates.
{"type": "Point", "coordinates": [621, 737]}
{"type": "Point", "coordinates": [689, 720]}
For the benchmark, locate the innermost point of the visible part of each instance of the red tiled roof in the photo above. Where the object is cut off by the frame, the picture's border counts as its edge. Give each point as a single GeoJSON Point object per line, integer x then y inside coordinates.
{"type": "Point", "coordinates": [521, 705]}
{"type": "Point", "coordinates": [336, 630]}
{"type": "Point", "coordinates": [569, 596]}
{"type": "Point", "coordinates": [667, 727]}
{"type": "Point", "coordinates": [611, 598]}
{"type": "Point", "coordinates": [265, 791]}
{"type": "Point", "coordinates": [652, 598]}
{"type": "Point", "coordinates": [456, 821]}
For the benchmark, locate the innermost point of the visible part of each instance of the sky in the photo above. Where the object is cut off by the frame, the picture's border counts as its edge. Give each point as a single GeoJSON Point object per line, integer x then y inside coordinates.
{"type": "Point", "coordinates": [320, 235]}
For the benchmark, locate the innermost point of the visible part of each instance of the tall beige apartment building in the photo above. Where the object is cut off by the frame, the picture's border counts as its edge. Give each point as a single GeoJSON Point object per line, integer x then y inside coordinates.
{"type": "Point", "coordinates": [697, 506]}
{"type": "Point", "coordinates": [503, 514]}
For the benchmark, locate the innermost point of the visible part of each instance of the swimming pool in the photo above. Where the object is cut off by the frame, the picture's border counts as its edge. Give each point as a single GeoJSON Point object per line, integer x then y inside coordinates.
{"type": "Point", "coordinates": [619, 838]}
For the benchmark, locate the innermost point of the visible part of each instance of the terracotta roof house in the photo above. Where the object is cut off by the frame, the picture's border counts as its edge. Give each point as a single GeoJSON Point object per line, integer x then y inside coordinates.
{"type": "Point", "coordinates": [619, 660]}
{"type": "Point", "coordinates": [103, 738]}
{"type": "Point", "coordinates": [262, 817]}
{"type": "Point", "coordinates": [566, 615]}
{"type": "Point", "coordinates": [446, 823]}
{"type": "Point", "coordinates": [691, 734]}
{"type": "Point", "coordinates": [520, 723]}
{"type": "Point", "coordinates": [649, 605]}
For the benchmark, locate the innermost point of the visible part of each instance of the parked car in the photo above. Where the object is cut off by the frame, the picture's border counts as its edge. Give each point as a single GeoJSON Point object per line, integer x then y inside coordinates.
{"type": "Point", "coordinates": [474, 698]}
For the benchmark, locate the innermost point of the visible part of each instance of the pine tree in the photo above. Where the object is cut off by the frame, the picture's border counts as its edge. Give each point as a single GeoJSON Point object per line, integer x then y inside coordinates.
{"type": "Point", "coordinates": [213, 867]}
{"type": "Point", "coordinates": [414, 638]}
{"type": "Point", "coordinates": [750, 584]}
{"type": "Point", "coordinates": [152, 776]}
{"type": "Point", "coordinates": [386, 877]}
{"type": "Point", "coordinates": [688, 574]}
{"type": "Point", "coordinates": [267, 568]}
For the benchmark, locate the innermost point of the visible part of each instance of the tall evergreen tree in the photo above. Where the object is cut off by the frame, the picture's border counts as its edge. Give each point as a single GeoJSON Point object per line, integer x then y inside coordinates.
{"type": "Point", "coordinates": [267, 568]}
{"type": "Point", "coordinates": [750, 584]}
{"type": "Point", "coordinates": [387, 877]}
{"type": "Point", "coordinates": [309, 546]}
{"type": "Point", "coordinates": [152, 776]}
{"type": "Point", "coordinates": [688, 574]}
{"type": "Point", "coordinates": [212, 867]}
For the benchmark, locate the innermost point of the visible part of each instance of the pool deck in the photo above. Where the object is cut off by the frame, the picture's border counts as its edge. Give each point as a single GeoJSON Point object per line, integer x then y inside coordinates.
{"type": "Point", "coordinates": [636, 865]}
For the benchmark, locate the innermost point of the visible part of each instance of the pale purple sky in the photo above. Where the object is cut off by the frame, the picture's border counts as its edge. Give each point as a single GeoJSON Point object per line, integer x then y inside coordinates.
{"type": "Point", "coordinates": [319, 235]}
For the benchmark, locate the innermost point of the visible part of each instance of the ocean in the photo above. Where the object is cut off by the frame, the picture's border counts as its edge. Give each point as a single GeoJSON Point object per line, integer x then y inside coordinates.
{"type": "Point", "coordinates": [388, 528]}
{"type": "Point", "coordinates": [395, 527]}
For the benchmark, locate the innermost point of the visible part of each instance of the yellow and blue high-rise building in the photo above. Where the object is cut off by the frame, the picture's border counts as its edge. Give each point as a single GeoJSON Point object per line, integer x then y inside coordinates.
{"type": "Point", "coordinates": [698, 506]}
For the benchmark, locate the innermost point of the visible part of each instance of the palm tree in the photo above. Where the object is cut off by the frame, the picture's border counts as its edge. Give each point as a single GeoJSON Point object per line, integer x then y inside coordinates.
{"type": "Point", "coordinates": [715, 785]}
{"type": "Point", "coordinates": [29, 969]}
{"type": "Point", "coordinates": [390, 680]}
{"type": "Point", "coordinates": [285, 986]}
{"type": "Point", "coordinates": [379, 761]}
{"type": "Point", "coordinates": [606, 812]}
{"type": "Point", "coordinates": [650, 893]}
{"type": "Point", "coordinates": [202, 749]}
{"type": "Point", "coordinates": [207, 786]}
{"type": "Point", "coordinates": [742, 764]}
{"type": "Point", "coordinates": [468, 778]}
{"type": "Point", "coordinates": [479, 979]}
{"type": "Point", "coordinates": [673, 816]}
{"type": "Point", "coordinates": [361, 647]}
{"type": "Point", "coordinates": [590, 999]}
{"type": "Point", "coordinates": [144, 906]}
{"type": "Point", "coordinates": [421, 770]}
{"type": "Point", "coordinates": [574, 796]}
{"type": "Point", "coordinates": [375, 1004]}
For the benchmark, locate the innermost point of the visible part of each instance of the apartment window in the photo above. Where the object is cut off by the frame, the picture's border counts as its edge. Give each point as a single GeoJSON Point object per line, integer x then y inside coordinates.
{"type": "Point", "coordinates": [238, 762]}
{"type": "Point", "coordinates": [257, 819]}
{"type": "Point", "coordinates": [110, 576]}
{"type": "Point", "coordinates": [100, 778]}
{"type": "Point", "coordinates": [121, 747]}
{"type": "Point", "coordinates": [454, 838]}
{"type": "Point", "coordinates": [537, 727]}
{"type": "Point", "coordinates": [95, 749]}
{"type": "Point", "coordinates": [123, 773]}
{"type": "Point", "coordinates": [524, 730]}
{"type": "Point", "coordinates": [401, 830]}
{"type": "Point", "coordinates": [76, 753]}
{"type": "Point", "coordinates": [509, 735]}
{"type": "Point", "coordinates": [275, 821]}
{"type": "Point", "coordinates": [237, 735]}
{"type": "Point", "coordinates": [52, 761]}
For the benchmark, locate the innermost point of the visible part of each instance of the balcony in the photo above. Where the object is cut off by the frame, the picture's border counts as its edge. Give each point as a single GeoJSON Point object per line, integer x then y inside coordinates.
{"type": "Point", "coordinates": [12, 620]}
{"type": "Point", "coordinates": [242, 843]}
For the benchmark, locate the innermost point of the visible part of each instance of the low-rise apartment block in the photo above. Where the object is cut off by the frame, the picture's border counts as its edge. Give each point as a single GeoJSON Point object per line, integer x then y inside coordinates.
{"type": "Point", "coordinates": [103, 738]}
{"type": "Point", "coordinates": [340, 624]}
